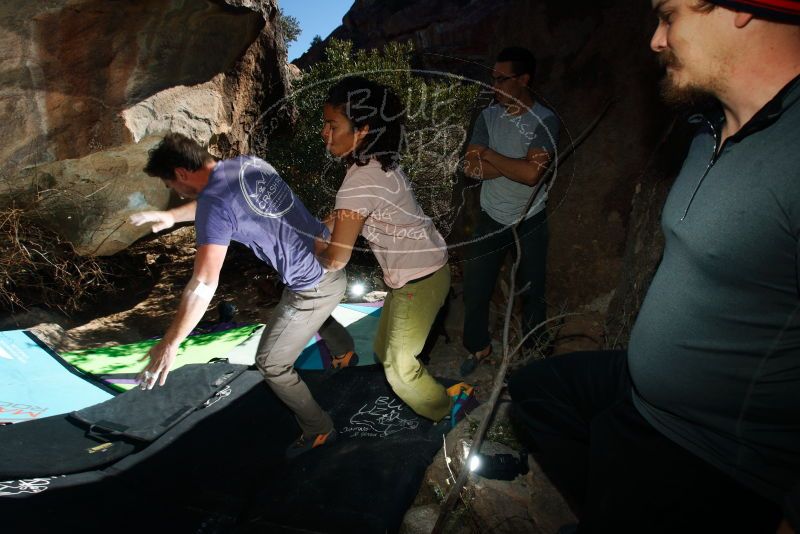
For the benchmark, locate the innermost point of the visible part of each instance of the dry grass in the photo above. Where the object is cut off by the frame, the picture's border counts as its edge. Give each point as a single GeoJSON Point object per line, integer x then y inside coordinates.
{"type": "Point", "coordinates": [38, 268]}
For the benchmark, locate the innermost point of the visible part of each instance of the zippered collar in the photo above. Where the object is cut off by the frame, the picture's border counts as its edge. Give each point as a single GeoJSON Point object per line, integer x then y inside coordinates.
{"type": "Point", "coordinates": [713, 121]}
{"type": "Point", "coordinates": [768, 114]}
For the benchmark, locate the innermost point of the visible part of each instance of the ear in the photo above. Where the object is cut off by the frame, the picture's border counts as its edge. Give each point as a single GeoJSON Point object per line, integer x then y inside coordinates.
{"type": "Point", "coordinates": [362, 132]}
{"type": "Point", "coordinates": [524, 79]}
{"type": "Point", "coordinates": [742, 19]}
{"type": "Point", "coordinates": [181, 174]}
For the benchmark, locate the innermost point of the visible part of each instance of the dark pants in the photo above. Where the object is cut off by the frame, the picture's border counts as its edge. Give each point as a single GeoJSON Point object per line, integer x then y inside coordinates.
{"type": "Point", "coordinates": [484, 258]}
{"type": "Point", "coordinates": [618, 472]}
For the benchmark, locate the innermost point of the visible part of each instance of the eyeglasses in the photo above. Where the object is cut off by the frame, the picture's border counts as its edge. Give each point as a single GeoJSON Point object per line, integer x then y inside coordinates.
{"type": "Point", "coordinates": [501, 79]}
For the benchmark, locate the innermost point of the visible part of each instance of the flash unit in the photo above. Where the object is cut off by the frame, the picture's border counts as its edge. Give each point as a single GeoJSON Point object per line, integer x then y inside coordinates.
{"type": "Point", "coordinates": [499, 466]}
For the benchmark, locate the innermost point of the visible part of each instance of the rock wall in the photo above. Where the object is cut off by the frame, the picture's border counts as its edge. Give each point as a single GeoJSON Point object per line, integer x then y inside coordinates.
{"type": "Point", "coordinates": [589, 52]}
{"type": "Point", "coordinates": [83, 82]}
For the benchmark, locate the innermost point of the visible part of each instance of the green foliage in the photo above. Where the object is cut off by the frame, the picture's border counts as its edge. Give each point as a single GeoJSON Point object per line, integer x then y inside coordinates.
{"type": "Point", "coordinates": [289, 26]}
{"type": "Point", "coordinates": [315, 41]}
{"type": "Point", "coordinates": [438, 109]}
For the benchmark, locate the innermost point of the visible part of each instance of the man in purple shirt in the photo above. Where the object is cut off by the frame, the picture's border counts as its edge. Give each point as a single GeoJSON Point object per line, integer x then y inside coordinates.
{"type": "Point", "coordinates": [245, 200]}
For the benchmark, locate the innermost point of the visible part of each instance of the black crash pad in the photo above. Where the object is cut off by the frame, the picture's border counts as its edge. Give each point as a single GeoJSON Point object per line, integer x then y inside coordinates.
{"type": "Point", "coordinates": [222, 469]}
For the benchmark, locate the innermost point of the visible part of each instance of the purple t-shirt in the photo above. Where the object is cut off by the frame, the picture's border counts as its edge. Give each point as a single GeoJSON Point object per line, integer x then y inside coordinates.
{"type": "Point", "coordinates": [247, 201]}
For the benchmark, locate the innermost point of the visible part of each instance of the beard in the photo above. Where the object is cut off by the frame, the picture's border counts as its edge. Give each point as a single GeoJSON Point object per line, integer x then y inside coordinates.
{"type": "Point", "coordinates": [689, 96]}
{"type": "Point", "coordinates": [685, 96]}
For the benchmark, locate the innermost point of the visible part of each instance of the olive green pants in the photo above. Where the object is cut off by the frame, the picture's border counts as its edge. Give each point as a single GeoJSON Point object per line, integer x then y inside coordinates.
{"type": "Point", "coordinates": [407, 316]}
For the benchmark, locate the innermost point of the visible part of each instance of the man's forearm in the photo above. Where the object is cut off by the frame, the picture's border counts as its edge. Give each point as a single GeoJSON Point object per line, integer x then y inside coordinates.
{"type": "Point", "coordinates": [184, 212]}
{"type": "Point", "coordinates": [524, 171]}
{"type": "Point", "coordinates": [479, 168]}
{"type": "Point", "coordinates": [194, 303]}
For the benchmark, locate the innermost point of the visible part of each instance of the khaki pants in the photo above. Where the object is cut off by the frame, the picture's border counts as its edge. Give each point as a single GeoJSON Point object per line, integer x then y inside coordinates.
{"type": "Point", "coordinates": [297, 317]}
{"type": "Point", "coordinates": [406, 319]}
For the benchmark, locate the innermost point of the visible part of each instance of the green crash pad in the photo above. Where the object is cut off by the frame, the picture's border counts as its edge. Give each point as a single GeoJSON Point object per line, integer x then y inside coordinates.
{"type": "Point", "coordinates": [118, 365]}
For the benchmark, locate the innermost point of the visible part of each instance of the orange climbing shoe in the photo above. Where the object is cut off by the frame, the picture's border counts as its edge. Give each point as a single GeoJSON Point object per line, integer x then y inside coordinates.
{"type": "Point", "coordinates": [348, 359]}
{"type": "Point", "coordinates": [304, 445]}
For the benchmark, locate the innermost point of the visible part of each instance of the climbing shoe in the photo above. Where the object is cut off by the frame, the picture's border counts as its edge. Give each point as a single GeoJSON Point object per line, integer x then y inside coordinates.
{"type": "Point", "coordinates": [463, 401]}
{"type": "Point", "coordinates": [304, 444]}
{"type": "Point", "coordinates": [348, 359]}
{"type": "Point", "coordinates": [473, 360]}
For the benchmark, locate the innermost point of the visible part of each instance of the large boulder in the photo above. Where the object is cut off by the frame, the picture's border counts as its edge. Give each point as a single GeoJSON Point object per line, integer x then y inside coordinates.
{"type": "Point", "coordinates": [88, 200]}
{"type": "Point", "coordinates": [85, 81]}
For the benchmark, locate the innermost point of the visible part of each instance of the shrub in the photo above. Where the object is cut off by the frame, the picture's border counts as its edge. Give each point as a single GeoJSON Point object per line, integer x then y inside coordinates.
{"type": "Point", "coordinates": [438, 106]}
{"type": "Point", "coordinates": [290, 27]}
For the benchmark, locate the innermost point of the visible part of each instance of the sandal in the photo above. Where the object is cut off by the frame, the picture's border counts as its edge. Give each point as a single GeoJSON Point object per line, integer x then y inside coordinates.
{"type": "Point", "coordinates": [472, 361]}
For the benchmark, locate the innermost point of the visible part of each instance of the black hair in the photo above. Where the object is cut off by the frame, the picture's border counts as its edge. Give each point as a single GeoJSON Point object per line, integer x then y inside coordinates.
{"type": "Point", "coordinates": [522, 60]}
{"type": "Point", "coordinates": [368, 103]}
{"type": "Point", "coordinates": [174, 151]}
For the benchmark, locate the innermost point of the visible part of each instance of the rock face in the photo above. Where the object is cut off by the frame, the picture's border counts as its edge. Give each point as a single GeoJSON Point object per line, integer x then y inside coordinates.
{"type": "Point", "coordinates": [589, 52]}
{"type": "Point", "coordinates": [85, 81]}
{"type": "Point", "coordinates": [645, 240]}
{"type": "Point", "coordinates": [88, 200]}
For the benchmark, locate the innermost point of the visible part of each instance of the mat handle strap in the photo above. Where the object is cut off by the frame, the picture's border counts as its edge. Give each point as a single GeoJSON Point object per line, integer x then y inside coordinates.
{"type": "Point", "coordinates": [101, 430]}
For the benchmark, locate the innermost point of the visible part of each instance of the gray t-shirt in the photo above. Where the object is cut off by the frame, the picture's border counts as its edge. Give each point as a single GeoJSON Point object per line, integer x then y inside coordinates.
{"type": "Point", "coordinates": [512, 136]}
{"type": "Point", "coordinates": [715, 352]}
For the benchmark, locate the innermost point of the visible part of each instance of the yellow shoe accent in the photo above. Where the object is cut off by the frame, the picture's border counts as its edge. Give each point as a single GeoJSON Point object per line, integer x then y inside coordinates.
{"type": "Point", "coordinates": [457, 389]}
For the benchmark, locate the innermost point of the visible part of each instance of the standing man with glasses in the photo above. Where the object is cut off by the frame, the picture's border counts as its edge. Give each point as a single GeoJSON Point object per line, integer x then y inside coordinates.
{"type": "Point", "coordinates": [696, 427]}
{"type": "Point", "coordinates": [512, 143]}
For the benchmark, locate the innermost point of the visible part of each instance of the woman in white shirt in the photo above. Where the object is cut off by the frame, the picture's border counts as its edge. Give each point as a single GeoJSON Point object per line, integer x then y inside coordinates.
{"type": "Point", "coordinates": [364, 126]}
